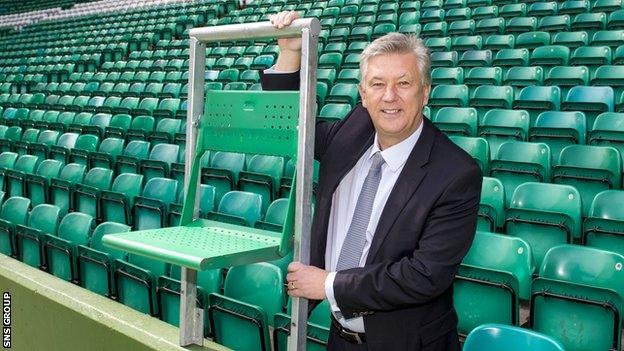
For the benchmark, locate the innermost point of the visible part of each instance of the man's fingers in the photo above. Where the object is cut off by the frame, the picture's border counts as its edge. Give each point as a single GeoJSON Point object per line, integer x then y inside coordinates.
{"type": "Point", "coordinates": [290, 16]}
{"type": "Point", "coordinates": [294, 266]}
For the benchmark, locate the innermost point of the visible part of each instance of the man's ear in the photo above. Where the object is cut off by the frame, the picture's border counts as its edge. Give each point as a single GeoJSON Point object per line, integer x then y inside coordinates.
{"type": "Point", "coordinates": [426, 92]}
{"type": "Point", "coordinates": [362, 92]}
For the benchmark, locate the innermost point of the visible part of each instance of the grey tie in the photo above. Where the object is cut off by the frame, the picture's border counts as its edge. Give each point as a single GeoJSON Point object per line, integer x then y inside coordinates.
{"type": "Point", "coordinates": [353, 245]}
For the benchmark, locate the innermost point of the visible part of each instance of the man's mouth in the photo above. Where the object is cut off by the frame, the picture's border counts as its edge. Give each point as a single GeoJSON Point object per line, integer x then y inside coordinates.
{"type": "Point", "coordinates": [391, 111]}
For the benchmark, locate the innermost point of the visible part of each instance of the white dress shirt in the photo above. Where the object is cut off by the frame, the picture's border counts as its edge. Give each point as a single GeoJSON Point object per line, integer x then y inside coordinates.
{"type": "Point", "coordinates": [343, 206]}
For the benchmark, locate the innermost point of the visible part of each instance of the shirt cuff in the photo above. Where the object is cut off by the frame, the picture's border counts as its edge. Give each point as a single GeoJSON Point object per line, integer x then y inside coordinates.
{"type": "Point", "coordinates": [329, 293]}
{"type": "Point", "coordinates": [272, 70]}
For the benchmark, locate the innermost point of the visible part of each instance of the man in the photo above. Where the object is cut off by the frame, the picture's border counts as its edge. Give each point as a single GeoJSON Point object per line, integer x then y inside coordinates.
{"type": "Point", "coordinates": [396, 205]}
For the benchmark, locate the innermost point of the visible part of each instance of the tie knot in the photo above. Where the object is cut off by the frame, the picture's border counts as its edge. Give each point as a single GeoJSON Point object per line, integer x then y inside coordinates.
{"type": "Point", "coordinates": [378, 161]}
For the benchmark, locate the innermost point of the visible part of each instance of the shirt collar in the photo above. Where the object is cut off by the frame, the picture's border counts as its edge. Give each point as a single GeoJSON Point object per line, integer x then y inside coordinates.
{"type": "Point", "coordinates": [396, 155]}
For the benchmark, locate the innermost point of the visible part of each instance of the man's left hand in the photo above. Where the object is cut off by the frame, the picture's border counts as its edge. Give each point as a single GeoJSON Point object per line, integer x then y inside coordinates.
{"type": "Point", "coordinates": [306, 281]}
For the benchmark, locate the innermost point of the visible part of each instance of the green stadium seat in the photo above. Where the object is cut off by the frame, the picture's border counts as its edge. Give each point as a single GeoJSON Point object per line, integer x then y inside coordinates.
{"type": "Point", "coordinates": [516, 25]}
{"type": "Point", "coordinates": [591, 169]}
{"type": "Point", "coordinates": [117, 203]}
{"type": "Point", "coordinates": [511, 57]}
{"type": "Point", "coordinates": [591, 56]}
{"type": "Point", "coordinates": [571, 40]}
{"type": "Point", "coordinates": [569, 285]}
{"type": "Point", "coordinates": [476, 58]}
{"type": "Point", "coordinates": [608, 130]}
{"type": "Point", "coordinates": [60, 248]}
{"type": "Point", "coordinates": [30, 135]}
{"type": "Point", "coordinates": [136, 280]}
{"type": "Point", "coordinates": [31, 237]}
{"type": "Point", "coordinates": [36, 184]}
{"type": "Point", "coordinates": [490, 337]}
{"type": "Point", "coordinates": [532, 40]}
{"type": "Point", "coordinates": [611, 38]}
{"type": "Point", "coordinates": [478, 148]}
{"type": "Point", "coordinates": [431, 15]}
{"type": "Point", "coordinates": [554, 23]}
{"type": "Point", "coordinates": [536, 100]}
{"type": "Point", "coordinates": [14, 212]}
{"type": "Point", "coordinates": [544, 215]}
{"type": "Point", "coordinates": [151, 208]}
{"type": "Point", "coordinates": [616, 19]}
{"type": "Point", "coordinates": [461, 27]}
{"type": "Point", "coordinates": [493, 277]}
{"type": "Point", "coordinates": [244, 311]}
{"type": "Point", "coordinates": [457, 13]}
{"type": "Point", "coordinates": [590, 100]}
{"type": "Point", "coordinates": [516, 163]}
{"type": "Point", "coordinates": [62, 188]}
{"type": "Point", "coordinates": [238, 207]}
{"type": "Point", "coordinates": [489, 26]}
{"type": "Point", "coordinates": [443, 58]}
{"type": "Point", "coordinates": [610, 76]}
{"type": "Point", "coordinates": [558, 130]}
{"type": "Point", "coordinates": [566, 77]}
{"type": "Point", "coordinates": [491, 217]}
{"type": "Point", "coordinates": [460, 121]}
{"type": "Point", "coordinates": [140, 127]}
{"type": "Point", "coordinates": [159, 162]}
{"type": "Point", "coordinates": [447, 75]}
{"type": "Point", "coordinates": [448, 95]}
{"type": "Point", "coordinates": [550, 55]}
{"type": "Point", "coordinates": [14, 177]}
{"type": "Point", "coordinates": [542, 9]}
{"type": "Point", "coordinates": [589, 22]}
{"type": "Point", "coordinates": [499, 125]}
{"type": "Point", "coordinates": [317, 329]}
{"type": "Point", "coordinates": [262, 177]}
{"type": "Point", "coordinates": [520, 77]}
{"type": "Point", "coordinates": [434, 29]}
{"type": "Point", "coordinates": [606, 5]}
{"type": "Point", "coordinates": [87, 193]}
{"type": "Point", "coordinates": [486, 97]}
{"type": "Point", "coordinates": [333, 111]}
{"type": "Point", "coordinates": [343, 93]}
{"type": "Point", "coordinates": [604, 222]}
{"type": "Point", "coordinates": [223, 172]}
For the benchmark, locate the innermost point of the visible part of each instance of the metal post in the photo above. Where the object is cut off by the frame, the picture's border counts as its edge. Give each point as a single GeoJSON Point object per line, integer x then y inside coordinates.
{"type": "Point", "coordinates": [191, 317]}
{"type": "Point", "coordinates": [305, 159]}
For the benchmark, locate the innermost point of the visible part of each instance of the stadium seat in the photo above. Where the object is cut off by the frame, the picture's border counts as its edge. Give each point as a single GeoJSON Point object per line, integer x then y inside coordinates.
{"type": "Point", "coordinates": [536, 100]}
{"type": "Point", "coordinates": [566, 77]}
{"type": "Point", "coordinates": [569, 285]}
{"type": "Point", "coordinates": [447, 75]}
{"type": "Point", "coordinates": [461, 121]}
{"type": "Point", "coordinates": [448, 95]}
{"type": "Point", "coordinates": [558, 130]}
{"type": "Point", "coordinates": [591, 169]}
{"type": "Point", "coordinates": [494, 275]}
{"type": "Point", "coordinates": [151, 208]}
{"type": "Point", "coordinates": [238, 207]}
{"type": "Point", "coordinates": [136, 279]}
{"type": "Point", "coordinates": [608, 130]}
{"type": "Point", "coordinates": [60, 249]}
{"type": "Point", "coordinates": [223, 172]}
{"type": "Point", "coordinates": [491, 337]}
{"type": "Point", "coordinates": [37, 184]}
{"type": "Point", "coordinates": [87, 193]}
{"type": "Point", "coordinates": [14, 212]}
{"type": "Point", "coordinates": [544, 215]}
{"type": "Point", "coordinates": [14, 177]}
{"type": "Point", "coordinates": [478, 148]}
{"type": "Point", "coordinates": [604, 222]}
{"type": "Point", "coordinates": [487, 97]}
{"type": "Point", "coordinates": [61, 188]}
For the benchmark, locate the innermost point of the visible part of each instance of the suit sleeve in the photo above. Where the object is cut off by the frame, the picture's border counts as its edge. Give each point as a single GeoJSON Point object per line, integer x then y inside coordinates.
{"type": "Point", "coordinates": [430, 270]}
{"type": "Point", "coordinates": [324, 131]}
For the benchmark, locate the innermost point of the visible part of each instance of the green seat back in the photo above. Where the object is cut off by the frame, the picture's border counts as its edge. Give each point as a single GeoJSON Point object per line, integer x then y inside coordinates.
{"type": "Point", "coordinates": [492, 337]}
{"type": "Point", "coordinates": [498, 126]}
{"type": "Point", "coordinates": [492, 205]}
{"type": "Point", "coordinates": [245, 205]}
{"type": "Point", "coordinates": [558, 129]}
{"type": "Point", "coordinates": [608, 130]}
{"type": "Point", "coordinates": [604, 226]}
{"type": "Point", "coordinates": [460, 121]}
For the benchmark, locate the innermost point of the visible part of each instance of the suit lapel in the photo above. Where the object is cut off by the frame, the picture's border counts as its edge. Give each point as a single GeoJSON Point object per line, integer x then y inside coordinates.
{"type": "Point", "coordinates": [408, 182]}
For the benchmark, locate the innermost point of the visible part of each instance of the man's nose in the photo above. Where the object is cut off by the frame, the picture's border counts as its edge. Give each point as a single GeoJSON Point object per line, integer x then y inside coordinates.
{"type": "Point", "coordinates": [390, 93]}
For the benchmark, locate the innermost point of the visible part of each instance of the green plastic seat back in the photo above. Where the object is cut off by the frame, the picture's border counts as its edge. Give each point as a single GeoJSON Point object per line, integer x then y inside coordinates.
{"type": "Point", "coordinates": [14, 133]}
{"type": "Point", "coordinates": [544, 215]}
{"type": "Point", "coordinates": [26, 163]}
{"type": "Point", "coordinates": [478, 148]}
{"type": "Point", "coordinates": [559, 129]}
{"type": "Point", "coordinates": [49, 168]}
{"type": "Point", "coordinates": [591, 169]}
{"type": "Point", "coordinates": [492, 337]}
{"type": "Point", "coordinates": [15, 210]}
{"type": "Point", "coordinates": [334, 111]}
{"type": "Point", "coordinates": [242, 204]}
{"type": "Point", "coordinates": [498, 126]}
{"type": "Point", "coordinates": [276, 214]}
{"type": "Point", "coordinates": [163, 189]}
{"type": "Point", "coordinates": [591, 100]}
{"type": "Point", "coordinates": [99, 178]}
{"type": "Point", "coordinates": [144, 123]}
{"type": "Point", "coordinates": [232, 164]}
{"type": "Point", "coordinates": [30, 135]}
{"type": "Point", "coordinates": [461, 121]}
{"type": "Point", "coordinates": [167, 153]}
{"type": "Point", "coordinates": [604, 225]}
{"type": "Point", "coordinates": [121, 120]}
{"type": "Point", "coordinates": [111, 146]}
{"type": "Point", "coordinates": [519, 162]}
{"type": "Point", "coordinates": [491, 205]}
{"type": "Point", "coordinates": [76, 228]}
{"type": "Point", "coordinates": [48, 137]}
{"type": "Point", "coordinates": [7, 159]}
{"type": "Point", "coordinates": [137, 148]}
{"type": "Point", "coordinates": [45, 218]}
{"type": "Point", "coordinates": [73, 173]}
{"type": "Point", "coordinates": [67, 140]}
{"type": "Point", "coordinates": [87, 142]}
{"type": "Point", "coordinates": [108, 228]}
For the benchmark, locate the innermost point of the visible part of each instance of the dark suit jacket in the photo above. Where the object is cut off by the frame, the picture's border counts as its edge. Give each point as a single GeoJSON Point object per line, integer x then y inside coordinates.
{"type": "Point", "coordinates": [404, 292]}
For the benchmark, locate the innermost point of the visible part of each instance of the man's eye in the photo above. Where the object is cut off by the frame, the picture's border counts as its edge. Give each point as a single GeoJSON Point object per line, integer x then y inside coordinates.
{"type": "Point", "coordinates": [377, 84]}
{"type": "Point", "coordinates": [404, 84]}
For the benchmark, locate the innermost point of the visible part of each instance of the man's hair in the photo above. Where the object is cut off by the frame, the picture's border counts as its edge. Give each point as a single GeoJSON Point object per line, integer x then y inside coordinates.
{"type": "Point", "coordinates": [398, 43]}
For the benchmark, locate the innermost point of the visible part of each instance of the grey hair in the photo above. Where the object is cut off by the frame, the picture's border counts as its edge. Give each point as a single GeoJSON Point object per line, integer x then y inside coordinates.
{"type": "Point", "coordinates": [398, 43]}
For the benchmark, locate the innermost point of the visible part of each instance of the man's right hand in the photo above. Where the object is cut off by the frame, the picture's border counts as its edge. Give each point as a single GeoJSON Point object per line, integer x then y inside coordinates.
{"type": "Point", "coordinates": [289, 59]}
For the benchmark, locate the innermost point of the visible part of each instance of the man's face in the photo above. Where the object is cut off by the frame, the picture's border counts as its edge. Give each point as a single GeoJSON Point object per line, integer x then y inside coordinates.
{"type": "Point", "coordinates": [391, 92]}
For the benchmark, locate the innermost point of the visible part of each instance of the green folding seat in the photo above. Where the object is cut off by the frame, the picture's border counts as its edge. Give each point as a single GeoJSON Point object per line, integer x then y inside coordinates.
{"type": "Point", "coordinates": [165, 131]}
{"type": "Point", "coordinates": [87, 193]}
{"type": "Point", "coordinates": [518, 162]}
{"type": "Point", "coordinates": [499, 126]}
{"type": "Point", "coordinates": [140, 127]}
{"type": "Point", "coordinates": [333, 111]}
{"type": "Point", "coordinates": [343, 93]}
{"type": "Point", "coordinates": [467, 42]}
{"type": "Point", "coordinates": [520, 77]}
{"type": "Point", "coordinates": [62, 188]}
{"type": "Point", "coordinates": [478, 3]}
{"type": "Point", "coordinates": [571, 40]}
{"type": "Point", "coordinates": [486, 97]}
{"type": "Point", "coordinates": [591, 56]}
{"type": "Point", "coordinates": [85, 144]}
{"type": "Point", "coordinates": [536, 100]}
{"type": "Point", "coordinates": [545, 215]}
{"type": "Point", "coordinates": [36, 184]}
{"type": "Point", "coordinates": [317, 328]}
{"type": "Point", "coordinates": [478, 148]}
{"type": "Point", "coordinates": [491, 215]}
{"type": "Point", "coordinates": [410, 29]}
{"type": "Point", "coordinates": [486, 13]}
{"type": "Point", "coordinates": [151, 208]}
{"type": "Point", "coordinates": [434, 29]}
{"type": "Point", "coordinates": [14, 212]}
{"type": "Point", "coordinates": [576, 303]}
{"type": "Point", "coordinates": [491, 280]}
{"type": "Point", "coordinates": [566, 77]}
{"type": "Point", "coordinates": [611, 38]}
{"type": "Point", "coordinates": [243, 310]}
{"type": "Point", "coordinates": [29, 136]}
{"type": "Point", "coordinates": [616, 19]}
{"type": "Point", "coordinates": [117, 203]}
{"type": "Point", "coordinates": [111, 103]}
{"type": "Point", "coordinates": [431, 15]}
{"type": "Point", "coordinates": [275, 216]}
{"type": "Point", "coordinates": [608, 130]}
{"type": "Point", "coordinates": [152, 89]}
{"type": "Point", "coordinates": [170, 90]}
{"type": "Point", "coordinates": [590, 100]}
{"type": "Point", "coordinates": [448, 95]}
{"type": "Point", "coordinates": [431, 5]}
{"type": "Point", "coordinates": [206, 205]}
{"type": "Point", "coordinates": [461, 121]}
{"type": "Point", "coordinates": [128, 161]}
{"type": "Point", "coordinates": [554, 23]}
{"type": "Point", "coordinates": [442, 58]}
{"type": "Point", "coordinates": [589, 22]}
{"type": "Point", "coordinates": [94, 104]}
{"type": "Point", "coordinates": [573, 7]}
{"type": "Point", "coordinates": [606, 5]}
{"type": "Point", "coordinates": [476, 58]}
{"type": "Point", "coordinates": [558, 130]}
{"type": "Point", "coordinates": [532, 40]}
{"type": "Point", "coordinates": [61, 150]}
{"type": "Point", "coordinates": [457, 14]}
{"type": "Point", "coordinates": [238, 207]}
{"type": "Point", "coordinates": [159, 162]}
{"type": "Point", "coordinates": [479, 76]}
{"type": "Point", "coordinates": [516, 25]}
{"type": "Point", "coordinates": [409, 17]}
{"type": "Point", "coordinates": [461, 27]}
{"type": "Point", "coordinates": [591, 169]}
{"type": "Point", "coordinates": [262, 177]}
{"type": "Point", "coordinates": [542, 9]}
{"type": "Point", "coordinates": [14, 177]}
{"type": "Point", "coordinates": [490, 337]}
{"type": "Point", "coordinates": [603, 227]}
{"type": "Point", "coordinates": [31, 236]}
{"type": "Point", "coordinates": [447, 75]}
{"type": "Point", "coordinates": [506, 58]}
{"type": "Point", "coordinates": [382, 29]}
{"type": "Point", "coordinates": [118, 125]}
{"type": "Point", "coordinates": [609, 76]}
{"type": "Point", "coordinates": [335, 47]}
